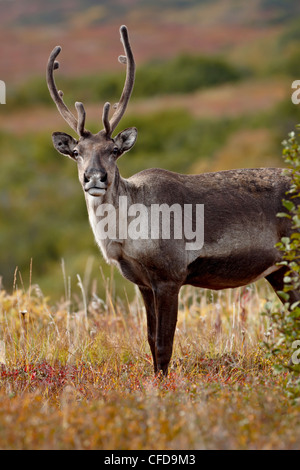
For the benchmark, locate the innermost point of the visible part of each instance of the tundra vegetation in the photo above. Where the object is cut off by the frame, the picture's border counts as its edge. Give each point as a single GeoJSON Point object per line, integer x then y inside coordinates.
{"type": "Point", "coordinates": [76, 370]}
{"type": "Point", "coordinates": [78, 374]}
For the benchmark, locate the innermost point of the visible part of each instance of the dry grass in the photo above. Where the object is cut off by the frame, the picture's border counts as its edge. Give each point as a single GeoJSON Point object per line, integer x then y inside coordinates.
{"type": "Point", "coordinates": [79, 375]}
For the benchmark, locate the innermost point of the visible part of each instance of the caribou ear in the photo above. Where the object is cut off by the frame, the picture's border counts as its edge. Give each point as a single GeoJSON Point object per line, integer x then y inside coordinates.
{"type": "Point", "coordinates": [64, 143]}
{"type": "Point", "coordinates": [126, 139]}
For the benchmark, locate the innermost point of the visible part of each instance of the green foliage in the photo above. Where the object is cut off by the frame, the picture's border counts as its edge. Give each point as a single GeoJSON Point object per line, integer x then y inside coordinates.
{"type": "Point", "coordinates": [34, 184]}
{"type": "Point", "coordinates": [286, 322]}
{"type": "Point", "coordinates": [43, 213]}
{"type": "Point", "coordinates": [182, 74]}
{"type": "Point", "coordinates": [291, 33]}
{"type": "Point", "coordinates": [292, 65]}
{"type": "Point", "coordinates": [174, 140]}
{"type": "Point", "coordinates": [290, 246]}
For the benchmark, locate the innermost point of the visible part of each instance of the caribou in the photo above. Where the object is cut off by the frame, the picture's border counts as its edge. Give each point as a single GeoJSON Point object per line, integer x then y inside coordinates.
{"type": "Point", "coordinates": [238, 216]}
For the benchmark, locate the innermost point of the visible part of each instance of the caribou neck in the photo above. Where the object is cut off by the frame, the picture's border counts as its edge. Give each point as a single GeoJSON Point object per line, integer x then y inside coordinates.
{"type": "Point", "coordinates": [110, 247]}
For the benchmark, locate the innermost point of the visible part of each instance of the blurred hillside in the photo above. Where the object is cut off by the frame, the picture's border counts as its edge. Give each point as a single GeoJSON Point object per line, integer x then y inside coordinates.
{"type": "Point", "coordinates": [213, 88]}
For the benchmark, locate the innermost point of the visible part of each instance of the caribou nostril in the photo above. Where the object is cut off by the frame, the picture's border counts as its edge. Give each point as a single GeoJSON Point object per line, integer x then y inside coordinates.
{"type": "Point", "coordinates": [94, 177]}
{"type": "Point", "coordinates": [103, 178]}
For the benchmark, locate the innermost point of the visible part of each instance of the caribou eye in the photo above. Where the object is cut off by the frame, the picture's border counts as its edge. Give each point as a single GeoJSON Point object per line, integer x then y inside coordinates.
{"type": "Point", "coordinates": [115, 151]}
{"type": "Point", "coordinates": [75, 153]}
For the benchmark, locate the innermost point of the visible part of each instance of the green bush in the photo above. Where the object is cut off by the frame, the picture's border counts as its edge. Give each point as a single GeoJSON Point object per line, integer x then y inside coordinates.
{"type": "Point", "coordinates": [183, 74]}
{"type": "Point", "coordinates": [286, 322]}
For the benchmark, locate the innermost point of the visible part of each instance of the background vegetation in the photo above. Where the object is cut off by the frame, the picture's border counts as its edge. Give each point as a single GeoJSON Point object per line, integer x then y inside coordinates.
{"type": "Point", "coordinates": [286, 320]}
{"type": "Point", "coordinates": [213, 92]}
{"type": "Point", "coordinates": [225, 107]}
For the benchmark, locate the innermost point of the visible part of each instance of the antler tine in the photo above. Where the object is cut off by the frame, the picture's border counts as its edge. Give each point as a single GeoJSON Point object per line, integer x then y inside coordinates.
{"type": "Point", "coordinates": [57, 96]}
{"type": "Point", "coordinates": [105, 119]}
{"type": "Point", "coordinates": [129, 82]}
{"type": "Point", "coordinates": [81, 118]}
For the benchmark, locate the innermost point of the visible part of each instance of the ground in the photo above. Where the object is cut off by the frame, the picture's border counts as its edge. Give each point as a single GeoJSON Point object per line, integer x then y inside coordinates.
{"type": "Point", "coordinates": [78, 375]}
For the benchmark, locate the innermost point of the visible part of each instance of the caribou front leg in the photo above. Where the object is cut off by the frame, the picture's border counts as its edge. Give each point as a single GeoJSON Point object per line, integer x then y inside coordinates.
{"type": "Point", "coordinates": [148, 298]}
{"type": "Point", "coordinates": [166, 307]}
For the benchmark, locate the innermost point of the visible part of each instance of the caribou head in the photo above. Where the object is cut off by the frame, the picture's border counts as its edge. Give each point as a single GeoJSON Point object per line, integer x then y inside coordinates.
{"type": "Point", "coordinates": [95, 154]}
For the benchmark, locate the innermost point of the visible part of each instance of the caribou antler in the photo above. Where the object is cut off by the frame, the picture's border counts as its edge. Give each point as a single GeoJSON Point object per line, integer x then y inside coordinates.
{"type": "Point", "coordinates": [57, 96]}
{"type": "Point", "coordinates": [109, 125]}
{"type": "Point", "coordinates": [128, 86]}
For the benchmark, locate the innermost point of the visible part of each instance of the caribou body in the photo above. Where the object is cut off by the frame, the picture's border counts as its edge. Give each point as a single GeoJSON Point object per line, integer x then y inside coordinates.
{"type": "Point", "coordinates": [240, 226]}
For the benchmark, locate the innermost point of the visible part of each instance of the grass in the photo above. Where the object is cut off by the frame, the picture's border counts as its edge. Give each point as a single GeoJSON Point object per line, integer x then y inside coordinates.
{"type": "Point", "coordinates": [78, 375]}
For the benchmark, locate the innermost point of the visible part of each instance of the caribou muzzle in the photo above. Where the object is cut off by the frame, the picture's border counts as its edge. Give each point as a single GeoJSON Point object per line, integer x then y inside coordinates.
{"type": "Point", "coordinates": [95, 182]}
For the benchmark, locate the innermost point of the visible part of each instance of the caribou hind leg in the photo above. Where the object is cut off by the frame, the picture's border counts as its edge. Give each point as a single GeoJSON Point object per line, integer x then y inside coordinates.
{"type": "Point", "coordinates": [276, 281]}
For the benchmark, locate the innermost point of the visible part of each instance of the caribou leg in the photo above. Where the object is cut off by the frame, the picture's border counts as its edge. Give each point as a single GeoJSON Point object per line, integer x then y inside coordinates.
{"type": "Point", "coordinates": [166, 307]}
{"type": "Point", "coordinates": [276, 281]}
{"type": "Point", "coordinates": [148, 298]}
